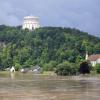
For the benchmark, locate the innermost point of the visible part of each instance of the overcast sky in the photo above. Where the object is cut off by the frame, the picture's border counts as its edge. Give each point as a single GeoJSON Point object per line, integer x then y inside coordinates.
{"type": "Point", "coordinates": [81, 14]}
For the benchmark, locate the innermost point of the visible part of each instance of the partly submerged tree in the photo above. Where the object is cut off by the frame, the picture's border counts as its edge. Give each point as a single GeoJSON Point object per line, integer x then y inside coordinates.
{"type": "Point", "coordinates": [85, 68]}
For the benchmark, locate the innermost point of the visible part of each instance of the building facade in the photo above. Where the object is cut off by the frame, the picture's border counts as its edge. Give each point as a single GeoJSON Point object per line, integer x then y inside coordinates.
{"type": "Point", "coordinates": [30, 22]}
{"type": "Point", "coordinates": [94, 59]}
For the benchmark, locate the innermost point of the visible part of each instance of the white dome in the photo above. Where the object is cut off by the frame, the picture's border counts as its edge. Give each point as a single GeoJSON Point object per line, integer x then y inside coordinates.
{"type": "Point", "coordinates": [30, 17]}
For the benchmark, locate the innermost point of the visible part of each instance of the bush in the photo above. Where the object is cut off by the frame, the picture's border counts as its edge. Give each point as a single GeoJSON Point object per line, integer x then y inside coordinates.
{"type": "Point", "coordinates": [66, 68]}
{"type": "Point", "coordinates": [97, 68]}
{"type": "Point", "coordinates": [49, 66]}
{"type": "Point", "coordinates": [17, 66]}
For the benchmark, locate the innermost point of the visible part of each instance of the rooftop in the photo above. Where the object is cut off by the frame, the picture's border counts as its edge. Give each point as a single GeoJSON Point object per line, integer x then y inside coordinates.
{"type": "Point", "coordinates": [30, 17]}
{"type": "Point", "coordinates": [94, 57]}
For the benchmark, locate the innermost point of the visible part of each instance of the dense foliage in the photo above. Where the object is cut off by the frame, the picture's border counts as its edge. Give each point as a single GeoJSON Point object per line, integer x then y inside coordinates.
{"type": "Point", "coordinates": [66, 68]}
{"type": "Point", "coordinates": [97, 68]}
{"type": "Point", "coordinates": [47, 46]}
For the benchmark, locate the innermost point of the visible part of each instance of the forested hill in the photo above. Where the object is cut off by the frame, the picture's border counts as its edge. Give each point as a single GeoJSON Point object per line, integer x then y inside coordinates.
{"type": "Point", "coordinates": [47, 46]}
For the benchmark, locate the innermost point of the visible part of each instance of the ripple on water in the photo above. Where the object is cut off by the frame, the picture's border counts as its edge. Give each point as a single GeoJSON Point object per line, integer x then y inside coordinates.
{"type": "Point", "coordinates": [36, 87]}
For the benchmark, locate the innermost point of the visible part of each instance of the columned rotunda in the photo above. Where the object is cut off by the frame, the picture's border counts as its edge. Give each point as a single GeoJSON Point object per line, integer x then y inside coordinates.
{"type": "Point", "coordinates": [30, 22]}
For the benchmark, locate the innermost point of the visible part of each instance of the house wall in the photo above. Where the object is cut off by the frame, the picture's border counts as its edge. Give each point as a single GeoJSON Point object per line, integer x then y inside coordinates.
{"type": "Point", "coordinates": [98, 60]}
{"type": "Point", "coordinates": [93, 63]}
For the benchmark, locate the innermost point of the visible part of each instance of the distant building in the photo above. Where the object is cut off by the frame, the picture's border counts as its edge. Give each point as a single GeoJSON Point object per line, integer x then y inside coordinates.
{"type": "Point", "coordinates": [36, 69]}
{"type": "Point", "coordinates": [24, 70]}
{"type": "Point", "coordinates": [94, 59]}
{"type": "Point", "coordinates": [30, 22]}
{"type": "Point", "coordinates": [2, 45]}
{"type": "Point", "coordinates": [12, 69]}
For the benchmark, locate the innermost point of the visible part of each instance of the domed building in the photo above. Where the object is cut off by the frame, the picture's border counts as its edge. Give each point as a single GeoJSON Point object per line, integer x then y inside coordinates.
{"type": "Point", "coordinates": [30, 22]}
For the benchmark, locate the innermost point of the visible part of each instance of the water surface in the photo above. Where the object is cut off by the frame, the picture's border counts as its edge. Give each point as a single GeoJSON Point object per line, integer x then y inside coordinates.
{"type": "Point", "coordinates": [43, 87]}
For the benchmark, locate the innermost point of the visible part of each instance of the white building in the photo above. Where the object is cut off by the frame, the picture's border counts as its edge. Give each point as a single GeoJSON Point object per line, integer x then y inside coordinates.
{"type": "Point", "coordinates": [94, 59]}
{"type": "Point", "coordinates": [12, 69]}
{"type": "Point", "coordinates": [30, 22]}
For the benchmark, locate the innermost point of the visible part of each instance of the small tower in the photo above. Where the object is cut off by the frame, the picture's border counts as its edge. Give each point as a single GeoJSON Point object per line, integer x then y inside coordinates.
{"type": "Point", "coordinates": [30, 22]}
{"type": "Point", "coordinates": [86, 57]}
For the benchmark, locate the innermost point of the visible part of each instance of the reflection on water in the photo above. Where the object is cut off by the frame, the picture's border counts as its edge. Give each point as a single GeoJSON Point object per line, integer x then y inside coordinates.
{"type": "Point", "coordinates": [12, 75]}
{"type": "Point", "coordinates": [20, 86]}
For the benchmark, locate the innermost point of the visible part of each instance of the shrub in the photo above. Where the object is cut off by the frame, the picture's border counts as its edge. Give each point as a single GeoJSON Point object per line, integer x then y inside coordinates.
{"type": "Point", "coordinates": [17, 66]}
{"type": "Point", "coordinates": [66, 68]}
{"type": "Point", "coordinates": [97, 68]}
{"type": "Point", "coordinates": [50, 66]}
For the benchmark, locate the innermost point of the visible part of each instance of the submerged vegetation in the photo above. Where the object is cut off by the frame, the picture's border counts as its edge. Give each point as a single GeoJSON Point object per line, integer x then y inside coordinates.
{"type": "Point", "coordinates": [49, 47]}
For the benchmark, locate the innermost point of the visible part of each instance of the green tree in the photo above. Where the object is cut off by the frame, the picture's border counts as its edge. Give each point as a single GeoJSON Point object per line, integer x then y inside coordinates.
{"type": "Point", "coordinates": [66, 68]}
{"type": "Point", "coordinates": [97, 68]}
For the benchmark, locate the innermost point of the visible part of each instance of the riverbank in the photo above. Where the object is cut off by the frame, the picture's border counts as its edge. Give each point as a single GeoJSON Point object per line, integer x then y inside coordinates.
{"type": "Point", "coordinates": [43, 73]}
{"type": "Point", "coordinates": [47, 75]}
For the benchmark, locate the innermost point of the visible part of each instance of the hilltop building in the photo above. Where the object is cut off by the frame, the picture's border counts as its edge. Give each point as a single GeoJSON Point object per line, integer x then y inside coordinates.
{"type": "Point", "coordinates": [30, 22]}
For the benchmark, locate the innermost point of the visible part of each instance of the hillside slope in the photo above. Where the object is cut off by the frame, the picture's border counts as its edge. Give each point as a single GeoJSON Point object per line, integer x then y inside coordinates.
{"type": "Point", "coordinates": [47, 45]}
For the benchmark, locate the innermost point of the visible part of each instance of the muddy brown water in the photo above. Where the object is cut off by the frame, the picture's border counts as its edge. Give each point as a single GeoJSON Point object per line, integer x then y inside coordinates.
{"type": "Point", "coordinates": [47, 87]}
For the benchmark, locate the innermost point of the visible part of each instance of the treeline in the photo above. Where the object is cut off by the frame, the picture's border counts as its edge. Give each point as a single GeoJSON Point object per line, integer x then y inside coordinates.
{"type": "Point", "coordinates": [46, 46]}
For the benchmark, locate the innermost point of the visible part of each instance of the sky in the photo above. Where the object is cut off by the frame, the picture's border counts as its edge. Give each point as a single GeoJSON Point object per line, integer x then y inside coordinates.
{"type": "Point", "coordinates": [80, 14]}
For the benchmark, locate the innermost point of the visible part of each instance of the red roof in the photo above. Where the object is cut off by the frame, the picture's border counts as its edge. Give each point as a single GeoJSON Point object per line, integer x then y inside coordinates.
{"type": "Point", "coordinates": [94, 57]}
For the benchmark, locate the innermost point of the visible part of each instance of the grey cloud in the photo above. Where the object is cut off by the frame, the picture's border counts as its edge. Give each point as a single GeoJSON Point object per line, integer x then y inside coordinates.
{"type": "Point", "coordinates": [81, 14]}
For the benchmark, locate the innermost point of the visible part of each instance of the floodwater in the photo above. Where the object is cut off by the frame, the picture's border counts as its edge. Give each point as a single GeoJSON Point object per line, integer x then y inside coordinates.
{"type": "Point", "coordinates": [27, 86]}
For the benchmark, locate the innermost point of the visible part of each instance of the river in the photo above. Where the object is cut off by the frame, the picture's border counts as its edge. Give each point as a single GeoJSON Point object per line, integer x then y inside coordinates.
{"type": "Point", "coordinates": [27, 86]}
